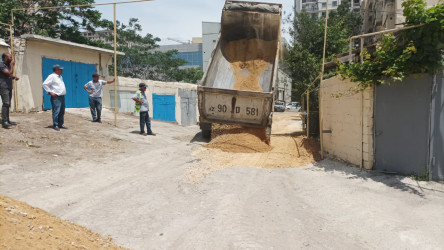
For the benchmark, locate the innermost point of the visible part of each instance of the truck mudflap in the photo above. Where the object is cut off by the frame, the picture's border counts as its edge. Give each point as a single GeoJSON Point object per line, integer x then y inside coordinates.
{"type": "Point", "coordinates": [237, 107]}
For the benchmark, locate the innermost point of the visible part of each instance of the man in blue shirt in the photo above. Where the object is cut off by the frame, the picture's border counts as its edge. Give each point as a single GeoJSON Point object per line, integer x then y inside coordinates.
{"type": "Point", "coordinates": [6, 76]}
{"type": "Point", "coordinates": [94, 88]}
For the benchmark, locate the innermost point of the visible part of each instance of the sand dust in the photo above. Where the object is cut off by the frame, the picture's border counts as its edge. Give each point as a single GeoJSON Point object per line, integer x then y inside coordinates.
{"type": "Point", "coordinates": [26, 227]}
{"type": "Point", "coordinates": [248, 59]}
{"type": "Point", "coordinates": [237, 139]}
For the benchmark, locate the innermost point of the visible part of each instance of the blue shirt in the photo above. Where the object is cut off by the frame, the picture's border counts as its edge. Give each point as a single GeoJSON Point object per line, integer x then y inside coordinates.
{"type": "Point", "coordinates": [5, 80]}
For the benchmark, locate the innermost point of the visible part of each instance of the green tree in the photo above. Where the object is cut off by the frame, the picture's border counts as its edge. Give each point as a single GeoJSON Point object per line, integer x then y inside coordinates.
{"type": "Point", "coordinates": [305, 58]}
{"type": "Point", "coordinates": [398, 55]}
{"type": "Point", "coordinates": [66, 23]}
{"type": "Point", "coordinates": [141, 60]}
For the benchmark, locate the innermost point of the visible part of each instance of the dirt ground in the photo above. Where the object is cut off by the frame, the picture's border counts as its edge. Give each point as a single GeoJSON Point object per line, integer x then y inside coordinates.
{"type": "Point", "coordinates": [26, 227]}
{"type": "Point", "coordinates": [137, 189]}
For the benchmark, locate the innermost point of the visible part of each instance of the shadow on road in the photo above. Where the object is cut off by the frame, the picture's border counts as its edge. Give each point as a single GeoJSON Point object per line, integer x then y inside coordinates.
{"type": "Point", "coordinates": [199, 138]}
{"type": "Point", "coordinates": [397, 182]}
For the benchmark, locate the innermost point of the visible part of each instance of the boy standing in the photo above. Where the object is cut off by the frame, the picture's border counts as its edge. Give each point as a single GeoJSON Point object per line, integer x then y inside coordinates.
{"type": "Point", "coordinates": [142, 108]}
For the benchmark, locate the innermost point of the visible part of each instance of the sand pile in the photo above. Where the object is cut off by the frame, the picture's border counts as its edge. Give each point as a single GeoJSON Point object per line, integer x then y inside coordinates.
{"type": "Point", "coordinates": [237, 139]}
{"type": "Point", "coordinates": [248, 59]}
{"type": "Point", "coordinates": [26, 227]}
{"type": "Point", "coordinates": [283, 153]}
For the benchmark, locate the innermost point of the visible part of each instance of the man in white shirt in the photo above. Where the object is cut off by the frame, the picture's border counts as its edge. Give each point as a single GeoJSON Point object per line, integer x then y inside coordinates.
{"type": "Point", "coordinates": [55, 87]}
{"type": "Point", "coordinates": [94, 88]}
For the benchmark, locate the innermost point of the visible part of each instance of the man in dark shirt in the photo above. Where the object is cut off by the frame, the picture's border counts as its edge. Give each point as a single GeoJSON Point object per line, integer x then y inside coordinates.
{"type": "Point", "coordinates": [6, 76]}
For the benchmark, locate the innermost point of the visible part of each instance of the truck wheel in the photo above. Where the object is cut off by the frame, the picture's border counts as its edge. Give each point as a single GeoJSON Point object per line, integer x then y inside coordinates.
{"type": "Point", "coordinates": [206, 130]}
{"type": "Point", "coordinates": [206, 133]}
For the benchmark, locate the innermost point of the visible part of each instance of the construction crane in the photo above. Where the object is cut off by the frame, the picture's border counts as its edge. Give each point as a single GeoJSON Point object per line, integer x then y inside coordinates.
{"type": "Point", "coordinates": [177, 41]}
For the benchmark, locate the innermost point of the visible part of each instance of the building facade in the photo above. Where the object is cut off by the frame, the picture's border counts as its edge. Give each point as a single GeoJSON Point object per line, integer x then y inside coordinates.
{"type": "Point", "coordinates": [318, 8]}
{"type": "Point", "coordinates": [102, 35]}
{"type": "Point", "coordinates": [210, 33]}
{"type": "Point", "coordinates": [282, 89]}
{"type": "Point", "coordinates": [192, 53]}
{"type": "Point", "coordinates": [315, 8]}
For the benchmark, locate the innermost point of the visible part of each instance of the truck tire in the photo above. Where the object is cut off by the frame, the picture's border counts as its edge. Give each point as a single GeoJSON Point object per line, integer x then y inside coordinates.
{"type": "Point", "coordinates": [206, 130]}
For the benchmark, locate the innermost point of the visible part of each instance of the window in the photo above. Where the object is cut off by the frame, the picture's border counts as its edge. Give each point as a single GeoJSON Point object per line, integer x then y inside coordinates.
{"type": "Point", "coordinates": [324, 5]}
{"type": "Point", "coordinates": [335, 3]}
{"type": "Point", "coordinates": [323, 13]}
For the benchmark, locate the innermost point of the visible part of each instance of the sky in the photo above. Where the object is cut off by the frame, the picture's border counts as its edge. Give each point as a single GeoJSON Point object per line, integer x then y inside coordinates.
{"type": "Point", "coordinates": [178, 19]}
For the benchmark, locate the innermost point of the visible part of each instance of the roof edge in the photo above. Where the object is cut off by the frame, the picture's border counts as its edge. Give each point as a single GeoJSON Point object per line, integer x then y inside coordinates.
{"type": "Point", "coordinates": [60, 41]}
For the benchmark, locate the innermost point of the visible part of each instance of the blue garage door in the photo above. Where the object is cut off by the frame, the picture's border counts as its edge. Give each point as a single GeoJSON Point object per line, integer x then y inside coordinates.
{"type": "Point", "coordinates": [164, 107]}
{"type": "Point", "coordinates": [75, 75]}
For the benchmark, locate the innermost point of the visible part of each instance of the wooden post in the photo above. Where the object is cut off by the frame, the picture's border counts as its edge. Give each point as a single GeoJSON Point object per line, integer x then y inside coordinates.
{"type": "Point", "coordinates": [308, 113]}
{"type": "Point", "coordinates": [11, 32]}
{"type": "Point", "coordinates": [115, 67]}
{"type": "Point", "coordinates": [321, 135]}
{"type": "Point", "coordinates": [350, 50]}
{"type": "Point", "coordinates": [361, 57]}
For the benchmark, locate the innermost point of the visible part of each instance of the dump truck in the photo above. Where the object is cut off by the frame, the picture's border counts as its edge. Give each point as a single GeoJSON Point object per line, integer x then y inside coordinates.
{"type": "Point", "coordinates": [237, 87]}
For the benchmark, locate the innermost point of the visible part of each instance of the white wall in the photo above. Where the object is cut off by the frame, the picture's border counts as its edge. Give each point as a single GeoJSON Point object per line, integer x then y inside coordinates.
{"type": "Point", "coordinates": [349, 115]}
{"type": "Point", "coordinates": [126, 84]}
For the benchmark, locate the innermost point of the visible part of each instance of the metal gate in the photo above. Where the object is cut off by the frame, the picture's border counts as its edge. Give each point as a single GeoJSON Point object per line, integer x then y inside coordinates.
{"type": "Point", "coordinates": [402, 122]}
{"type": "Point", "coordinates": [124, 101]}
{"type": "Point", "coordinates": [437, 129]}
{"type": "Point", "coordinates": [188, 100]}
{"type": "Point", "coordinates": [75, 75]}
{"type": "Point", "coordinates": [164, 107]}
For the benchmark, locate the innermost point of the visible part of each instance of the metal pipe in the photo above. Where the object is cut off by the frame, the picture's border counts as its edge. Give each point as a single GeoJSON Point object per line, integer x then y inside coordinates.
{"type": "Point", "coordinates": [321, 136]}
{"type": "Point", "coordinates": [377, 33]}
{"type": "Point", "coordinates": [115, 67]}
{"type": "Point", "coordinates": [308, 114]}
{"type": "Point", "coordinates": [386, 31]}
{"type": "Point", "coordinates": [11, 32]}
{"type": "Point", "coordinates": [81, 5]}
{"type": "Point", "coordinates": [350, 49]}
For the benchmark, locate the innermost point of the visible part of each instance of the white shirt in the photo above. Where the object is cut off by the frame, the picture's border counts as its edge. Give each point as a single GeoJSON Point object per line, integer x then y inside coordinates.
{"type": "Point", "coordinates": [96, 87]}
{"type": "Point", "coordinates": [54, 83]}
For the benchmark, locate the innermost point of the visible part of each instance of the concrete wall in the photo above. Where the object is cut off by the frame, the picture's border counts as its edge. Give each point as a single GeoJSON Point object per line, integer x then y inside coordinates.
{"type": "Point", "coordinates": [210, 33]}
{"type": "Point", "coordinates": [29, 54]}
{"type": "Point", "coordinates": [349, 115]}
{"type": "Point", "coordinates": [154, 87]}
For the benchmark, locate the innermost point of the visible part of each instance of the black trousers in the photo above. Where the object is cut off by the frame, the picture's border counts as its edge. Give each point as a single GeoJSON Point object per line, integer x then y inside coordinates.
{"type": "Point", "coordinates": [6, 95]}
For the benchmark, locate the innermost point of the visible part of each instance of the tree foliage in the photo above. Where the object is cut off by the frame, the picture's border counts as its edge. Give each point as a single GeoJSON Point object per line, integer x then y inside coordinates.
{"type": "Point", "coordinates": [141, 60]}
{"type": "Point", "coordinates": [305, 57]}
{"type": "Point", "coordinates": [418, 50]}
{"type": "Point", "coordinates": [66, 23]}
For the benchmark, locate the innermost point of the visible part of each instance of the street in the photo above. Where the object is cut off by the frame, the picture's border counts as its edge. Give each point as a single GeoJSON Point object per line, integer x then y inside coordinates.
{"type": "Point", "coordinates": [145, 192]}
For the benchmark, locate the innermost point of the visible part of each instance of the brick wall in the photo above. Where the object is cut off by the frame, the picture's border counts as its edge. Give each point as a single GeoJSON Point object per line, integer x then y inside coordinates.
{"type": "Point", "coordinates": [348, 113]}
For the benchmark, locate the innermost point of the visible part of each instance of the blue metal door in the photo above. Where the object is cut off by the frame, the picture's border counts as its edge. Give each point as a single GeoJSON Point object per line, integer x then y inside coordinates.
{"type": "Point", "coordinates": [164, 107]}
{"type": "Point", "coordinates": [75, 75]}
